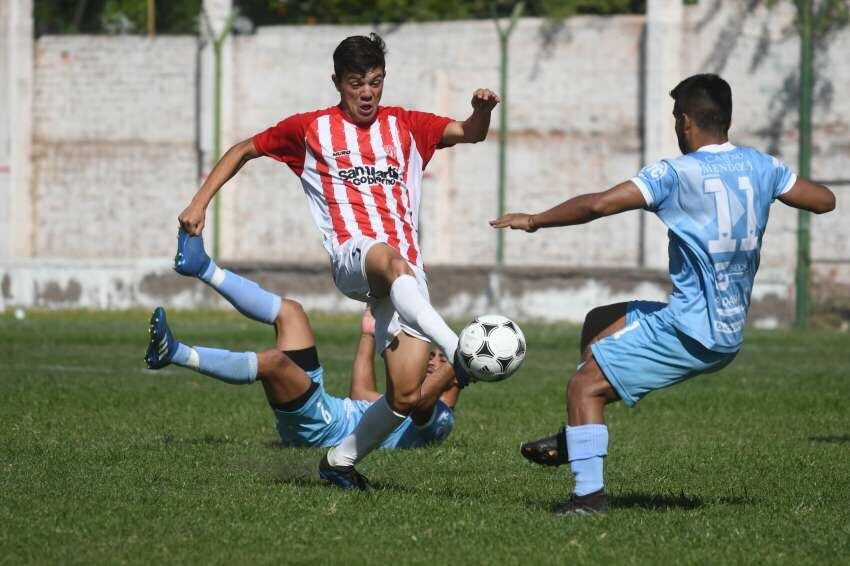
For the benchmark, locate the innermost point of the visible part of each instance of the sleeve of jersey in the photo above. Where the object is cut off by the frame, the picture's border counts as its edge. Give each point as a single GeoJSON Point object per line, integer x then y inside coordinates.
{"type": "Point", "coordinates": [427, 130]}
{"type": "Point", "coordinates": [285, 141]}
{"type": "Point", "coordinates": [784, 178]}
{"type": "Point", "coordinates": [656, 182]}
{"type": "Point", "coordinates": [439, 426]}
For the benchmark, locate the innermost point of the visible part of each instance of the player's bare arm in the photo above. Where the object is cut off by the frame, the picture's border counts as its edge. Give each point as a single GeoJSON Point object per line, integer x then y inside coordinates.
{"type": "Point", "coordinates": [577, 210]}
{"type": "Point", "coordinates": [810, 196]}
{"type": "Point", "coordinates": [473, 129]}
{"type": "Point", "coordinates": [363, 371]}
{"type": "Point", "coordinates": [193, 216]}
{"type": "Point", "coordinates": [440, 381]}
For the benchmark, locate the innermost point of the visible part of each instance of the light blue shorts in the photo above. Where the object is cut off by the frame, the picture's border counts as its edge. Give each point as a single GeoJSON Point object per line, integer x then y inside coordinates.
{"type": "Point", "coordinates": [323, 420]}
{"type": "Point", "coordinates": [649, 353]}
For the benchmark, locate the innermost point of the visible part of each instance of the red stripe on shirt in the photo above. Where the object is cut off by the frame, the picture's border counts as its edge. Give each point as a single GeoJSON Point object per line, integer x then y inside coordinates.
{"type": "Point", "coordinates": [364, 140]}
{"type": "Point", "coordinates": [355, 199]}
{"type": "Point", "coordinates": [402, 200]}
{"type": "Point", "coordinates": [337, 221]}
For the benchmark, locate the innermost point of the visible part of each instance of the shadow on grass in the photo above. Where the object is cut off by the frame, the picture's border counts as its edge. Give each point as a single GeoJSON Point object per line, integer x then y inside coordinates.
{"type": "Point", "coordinates": [655, 502]}
{"type": "Point", "coordinates": [832, 439]}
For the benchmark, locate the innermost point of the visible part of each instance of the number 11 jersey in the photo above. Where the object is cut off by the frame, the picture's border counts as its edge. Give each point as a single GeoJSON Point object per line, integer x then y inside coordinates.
{"type": "Point", "coordinates": [715, 203]}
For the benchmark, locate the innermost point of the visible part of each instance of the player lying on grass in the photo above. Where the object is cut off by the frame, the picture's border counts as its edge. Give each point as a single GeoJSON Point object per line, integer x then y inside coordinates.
{"type": "Point", "coordinates": [361, 167]}
{"type": "Point", "coordinates": [715, 201]}
{"type": "Point", "coordinates": [292, 375]}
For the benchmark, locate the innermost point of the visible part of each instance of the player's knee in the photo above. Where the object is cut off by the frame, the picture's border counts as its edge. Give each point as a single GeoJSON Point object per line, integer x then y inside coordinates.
{"type": "Point", "coordinates": [580, 386]}
{"type": "Point", "coordinates": [398, 267]}
{"type": "Point", "coordinates": [289, 311]}
{"type": "Point", "coordinates": [404, 402]}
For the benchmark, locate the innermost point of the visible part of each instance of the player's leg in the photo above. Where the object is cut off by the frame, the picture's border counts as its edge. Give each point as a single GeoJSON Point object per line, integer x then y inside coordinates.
{"type": "Point", "coordinates": [249, 298]}
{"type": "Point", "coordinates": [281, 377]}
{"type": "Point", "coordinates": [599, 323]}
{"type": "Point", "coordinates": [406, 359]}
{"type": "Point", "coordinates": [390, 275]}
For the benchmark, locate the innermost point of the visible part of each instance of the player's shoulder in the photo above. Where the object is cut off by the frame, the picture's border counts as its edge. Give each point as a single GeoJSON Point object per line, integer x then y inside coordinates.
{"type": "Point", "coordinates": [306, 118]}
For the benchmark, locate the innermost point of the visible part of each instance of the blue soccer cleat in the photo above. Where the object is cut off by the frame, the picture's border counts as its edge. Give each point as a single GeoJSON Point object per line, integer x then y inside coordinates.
{"type": "Point", "coordinates": [461, 373]}
{"type": "Point", "coordinates": [162, 346]}
{"type": "Point", "coordinates": [344, 477]}
{"type": "Point", "coordinates": [191, 258]}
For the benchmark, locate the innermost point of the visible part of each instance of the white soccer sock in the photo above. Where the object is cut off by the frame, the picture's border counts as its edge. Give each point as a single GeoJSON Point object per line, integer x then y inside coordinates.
{"type": "Point", "coordinates": [377, 423]}
{"type": "Point", "coordinates": [415, 310]}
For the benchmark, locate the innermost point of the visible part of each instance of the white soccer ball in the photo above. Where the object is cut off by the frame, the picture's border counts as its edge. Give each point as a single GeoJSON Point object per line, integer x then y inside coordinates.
{"type": "Point", "coordinates": [492, 347]}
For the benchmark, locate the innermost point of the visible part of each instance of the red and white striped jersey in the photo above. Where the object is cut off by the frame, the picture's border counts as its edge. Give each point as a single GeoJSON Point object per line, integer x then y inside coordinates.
{"type": "Point", "coordinates": [360, 180]}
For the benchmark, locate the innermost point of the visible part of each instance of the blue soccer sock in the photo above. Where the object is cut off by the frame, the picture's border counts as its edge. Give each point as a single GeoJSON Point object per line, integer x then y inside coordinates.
{"type": "Point", "coordinates": [237, 368]}
{"type": "Point", "coordinates": [249, 298]}
{"type": "Point", "coordinates": [587, 446]}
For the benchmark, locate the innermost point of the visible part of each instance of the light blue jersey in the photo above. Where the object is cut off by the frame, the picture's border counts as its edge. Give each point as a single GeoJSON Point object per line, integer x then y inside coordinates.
{"type": "Point", "coordinates": [435, 431]}
{"type": "Point", "coordinates": [324, 420]}
{"type": "Point", "coordinates": [715, 203]}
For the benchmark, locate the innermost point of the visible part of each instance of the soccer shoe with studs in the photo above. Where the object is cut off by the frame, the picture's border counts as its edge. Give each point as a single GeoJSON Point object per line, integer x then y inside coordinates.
{"type": "Point", "coordinates": [191, 258]}
{"type": "Point", "coordinates": [461, 373]}
{"type": "Point", "coordinates": [548, 451]}
{"type": "Point", "coordinates": [344, 477]}
{"type": "Point", "coordinates": [595, 503]}
{"type": "Point", "coordinates": [162, 346]}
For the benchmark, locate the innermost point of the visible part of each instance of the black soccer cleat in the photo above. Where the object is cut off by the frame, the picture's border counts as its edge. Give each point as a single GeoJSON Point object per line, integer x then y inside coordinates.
{"type": "Point", "coordinates": [595, 503]}
{"type": "Point", "coordinates": [344, 477]}
{"type": "Point", "coordinates": [548, 451]}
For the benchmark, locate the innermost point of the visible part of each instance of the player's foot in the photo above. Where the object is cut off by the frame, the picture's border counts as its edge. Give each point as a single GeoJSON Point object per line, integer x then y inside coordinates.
{"type": "Point", "coordinates": [548, 451]}
{"type": "Point", "coordinates": [595, 503]}
{"type": "Point", "coordinates": [162, 346]}
{"type": "Point", "coordinates": [191, 259]}
{"type": "Point", "coordinates": [344, 477]}
{"type": "Point", "coordinates": [461, 373]}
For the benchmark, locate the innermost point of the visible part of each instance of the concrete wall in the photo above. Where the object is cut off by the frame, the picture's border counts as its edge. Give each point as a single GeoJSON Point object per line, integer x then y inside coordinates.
{"type": "Point", "coordinates": [116, 121]}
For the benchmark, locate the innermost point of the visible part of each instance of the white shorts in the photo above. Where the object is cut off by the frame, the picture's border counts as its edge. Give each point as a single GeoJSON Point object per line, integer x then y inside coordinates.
{"type": "Point", "coordinates": [348, 265]}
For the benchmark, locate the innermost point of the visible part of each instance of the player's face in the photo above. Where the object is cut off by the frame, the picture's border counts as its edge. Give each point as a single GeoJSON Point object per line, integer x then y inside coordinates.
{"type": "Point", "coordinates": [436, 359]}
{"type": "Point", "coordinates": [360, 94]}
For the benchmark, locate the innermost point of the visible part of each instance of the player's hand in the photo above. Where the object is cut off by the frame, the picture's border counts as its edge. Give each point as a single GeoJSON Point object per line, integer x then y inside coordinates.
{"type": "Point", "coordinates": [515, 221]}
{"type": "Point", "coordinates": [192, 219]}
{"type": "Point", "coordinates": [367, 323]}
{"type": "Point", "coordinates": [485, 100]}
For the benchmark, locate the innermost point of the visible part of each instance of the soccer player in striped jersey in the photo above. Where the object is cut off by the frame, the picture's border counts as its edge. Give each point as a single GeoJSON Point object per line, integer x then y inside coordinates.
{"type": "Point", "coordinates": [714, 200]}
{"type": "Point", "coordinates": [361, 167]}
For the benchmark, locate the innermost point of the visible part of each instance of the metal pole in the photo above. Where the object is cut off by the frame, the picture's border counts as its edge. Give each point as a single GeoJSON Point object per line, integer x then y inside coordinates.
{"type": "Point", "coordinates": [805, 155]}
{"type": "Point", "coordinates": [151, 18]}
{"type": "Point", "coordinates": [218, 43]}
{"type": "Point", "coordinates": [504, 38]}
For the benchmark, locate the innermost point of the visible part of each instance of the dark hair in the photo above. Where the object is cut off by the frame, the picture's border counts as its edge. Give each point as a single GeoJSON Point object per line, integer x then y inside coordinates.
{"type": "Point", "coordinates": [707, 100]}
{"type": "Point", "coordinates": [358, 53]}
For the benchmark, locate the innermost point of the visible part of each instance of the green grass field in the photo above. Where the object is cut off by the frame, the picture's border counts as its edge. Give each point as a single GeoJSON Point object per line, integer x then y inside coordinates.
{"type": "Point", "coordinates": [102, 461]}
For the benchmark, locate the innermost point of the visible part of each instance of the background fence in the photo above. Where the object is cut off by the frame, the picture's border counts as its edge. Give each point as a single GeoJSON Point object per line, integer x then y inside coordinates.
{"type": "Point", "coordinates": [105, 138]}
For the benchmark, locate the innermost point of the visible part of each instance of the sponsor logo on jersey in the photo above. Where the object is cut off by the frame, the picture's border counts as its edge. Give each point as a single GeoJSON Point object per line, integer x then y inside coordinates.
{"type": "Point", "coordinates": [342, 152]}
{"type": "Point", "coordinates": [656, 171]}
{"type": "Point", "coordinates": [370, 175]}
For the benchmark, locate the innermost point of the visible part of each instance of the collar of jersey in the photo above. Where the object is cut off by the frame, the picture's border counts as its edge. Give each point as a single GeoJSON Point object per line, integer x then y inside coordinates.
{"type": "Point", "coordinates": [717, 148]}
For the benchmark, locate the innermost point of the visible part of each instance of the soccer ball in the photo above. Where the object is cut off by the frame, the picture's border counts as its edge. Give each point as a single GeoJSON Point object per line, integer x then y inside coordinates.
{"type": "Point", "coordinates": [492, 347]}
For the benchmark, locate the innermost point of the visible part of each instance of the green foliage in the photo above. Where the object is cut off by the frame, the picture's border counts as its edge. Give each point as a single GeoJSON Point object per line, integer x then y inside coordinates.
{"type": "Point", "coordinates": [114, 16]}
{"type": "Point", "coordinates": [829, 15]}
{"type": "Point", "coordinates": [104, 462]}
{"type": "Point", "coordinates": [264, 12]}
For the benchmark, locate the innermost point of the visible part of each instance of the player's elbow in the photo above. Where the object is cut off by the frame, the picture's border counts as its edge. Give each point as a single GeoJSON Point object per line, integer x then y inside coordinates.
{"type": "Point", "coordinates": [826, 202]}
{"type": "Point", "coordinates": [600, 206]}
